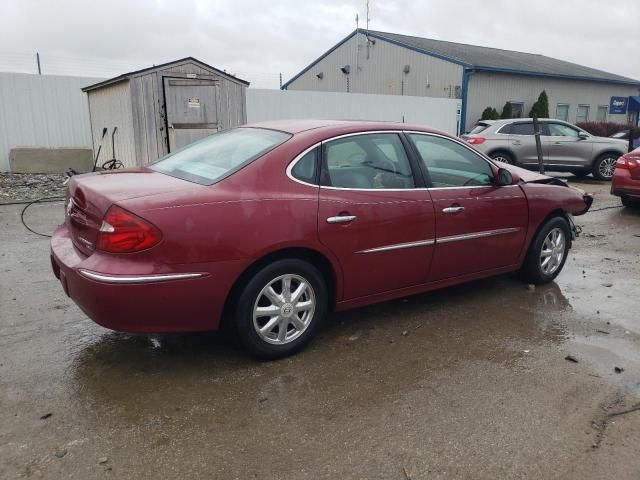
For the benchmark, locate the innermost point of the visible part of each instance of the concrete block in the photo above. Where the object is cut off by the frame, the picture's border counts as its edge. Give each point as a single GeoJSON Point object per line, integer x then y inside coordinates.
{"type": "Point", "coordinates": [50, 160]}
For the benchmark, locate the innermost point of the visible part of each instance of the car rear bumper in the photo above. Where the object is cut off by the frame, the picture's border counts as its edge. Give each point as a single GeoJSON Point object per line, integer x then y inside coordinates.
{"type": "Point", "coordinates": [624, 184]}
{"type": "Point", "coordinates": [168, 301]}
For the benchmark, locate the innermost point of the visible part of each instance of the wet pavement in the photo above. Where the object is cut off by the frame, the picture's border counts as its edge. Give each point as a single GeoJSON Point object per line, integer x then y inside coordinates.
{"type": "Point", "coordinates": [466, 382]}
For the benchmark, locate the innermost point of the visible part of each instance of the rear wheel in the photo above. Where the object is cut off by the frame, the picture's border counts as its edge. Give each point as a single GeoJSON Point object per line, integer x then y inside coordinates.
{"type": "Point", "coordinates": [503, 157]}
{"type": "Point", "coordinates": [604, 166]}
{"type": "Point", "coordinates": [281, 308]}
{"type": "Point", "coordinates": [547, 252]}
{"type": "Point", "coordinates": [630, 202]}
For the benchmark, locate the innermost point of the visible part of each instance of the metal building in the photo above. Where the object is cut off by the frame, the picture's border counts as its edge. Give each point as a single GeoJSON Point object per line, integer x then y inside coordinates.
{"type": "Point", "coordinates": [368, 61]}
{"type": "Point", "coordinates": [162, 108]}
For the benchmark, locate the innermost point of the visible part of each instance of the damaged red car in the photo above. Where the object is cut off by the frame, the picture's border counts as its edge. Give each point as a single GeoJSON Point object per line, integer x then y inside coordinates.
{"type": "Point", "coordinates": [265, 229]}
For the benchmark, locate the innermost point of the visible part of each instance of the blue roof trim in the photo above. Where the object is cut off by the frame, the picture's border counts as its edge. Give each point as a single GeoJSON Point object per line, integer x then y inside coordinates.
{"type": "Point", "coordinates": [317, 60]}
{"type": "Point", "coordinates": [480, 68]}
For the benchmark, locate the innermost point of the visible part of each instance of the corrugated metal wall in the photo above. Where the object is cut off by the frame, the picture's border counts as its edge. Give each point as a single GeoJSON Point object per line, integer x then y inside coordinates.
{"type": "Point", "coordinates": [43, 111]}
{"type": "Point", "coordinates": [439, 113]}
{"type": "Point", "coordinates": [493, 90]}
{"type": "Point", "coordinates": [110, 107]}
{"type": "Point", "coordinates": [382, 72]}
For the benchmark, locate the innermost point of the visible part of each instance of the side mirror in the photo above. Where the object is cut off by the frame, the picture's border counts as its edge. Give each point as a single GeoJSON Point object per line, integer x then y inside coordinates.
{"type": "Point", "coordinates": [582, 136]}
{"type": "Point", "coordinates": [504, 177]}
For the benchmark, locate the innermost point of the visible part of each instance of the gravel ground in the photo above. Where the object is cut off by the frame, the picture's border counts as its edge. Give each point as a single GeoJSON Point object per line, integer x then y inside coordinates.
{"type": "Point", "coordinates": [17, 187]}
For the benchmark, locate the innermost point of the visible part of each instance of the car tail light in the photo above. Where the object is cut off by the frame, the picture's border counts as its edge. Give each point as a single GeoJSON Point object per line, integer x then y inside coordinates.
{"type": "Point", "coordinates": [123, 232]}
{"type": "Point", "coordinates": [476, 140]}
{"type": "Point", "coordinates": [627, 163]}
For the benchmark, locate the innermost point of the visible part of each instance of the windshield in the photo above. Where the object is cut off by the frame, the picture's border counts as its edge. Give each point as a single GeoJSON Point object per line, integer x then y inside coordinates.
{"type": "Point", "coordinates": [219, 155]}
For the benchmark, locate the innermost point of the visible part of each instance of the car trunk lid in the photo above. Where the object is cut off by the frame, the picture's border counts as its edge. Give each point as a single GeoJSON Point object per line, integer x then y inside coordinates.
{"type": "Point", "coordinates": [90, 196]}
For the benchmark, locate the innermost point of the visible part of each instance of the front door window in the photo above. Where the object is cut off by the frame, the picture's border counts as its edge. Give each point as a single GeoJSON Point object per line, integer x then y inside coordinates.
{"type": "Point", "coordinates": [451, 164]}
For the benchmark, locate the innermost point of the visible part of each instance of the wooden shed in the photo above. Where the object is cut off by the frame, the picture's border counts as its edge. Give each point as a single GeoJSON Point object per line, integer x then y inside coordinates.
{"type": "Point", "coordinates": [162, 108]}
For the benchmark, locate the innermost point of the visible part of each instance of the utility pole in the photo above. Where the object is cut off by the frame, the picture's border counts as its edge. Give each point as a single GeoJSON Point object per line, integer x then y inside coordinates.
{"type": "Point", "coordinates": [536, 133]}
{"type": "Point", "coordinates": [38, 62]}
{"type": "Point", "coordinates": [280, 81]}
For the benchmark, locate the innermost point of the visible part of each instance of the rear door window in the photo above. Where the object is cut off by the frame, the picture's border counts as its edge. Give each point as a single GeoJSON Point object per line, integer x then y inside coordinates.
{"type": "Point", "coordinates": [367, 161]}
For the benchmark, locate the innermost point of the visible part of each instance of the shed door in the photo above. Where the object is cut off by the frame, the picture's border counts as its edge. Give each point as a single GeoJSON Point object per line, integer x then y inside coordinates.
{"type": "Point", "coordinates": [192, 110]}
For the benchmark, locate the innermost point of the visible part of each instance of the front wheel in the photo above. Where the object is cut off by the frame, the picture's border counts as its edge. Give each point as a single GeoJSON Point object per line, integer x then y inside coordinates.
{"type": "Point", "coordinates": [281, 308]}
{"type": "Point", "coordinates": [547, 252]}
{"type": "Point", "coordinates": [604, 166]}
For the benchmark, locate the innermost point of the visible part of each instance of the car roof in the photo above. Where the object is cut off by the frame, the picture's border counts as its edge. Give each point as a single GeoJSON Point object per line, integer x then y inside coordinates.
{"type": "Point", "coordinates": [294, 126]}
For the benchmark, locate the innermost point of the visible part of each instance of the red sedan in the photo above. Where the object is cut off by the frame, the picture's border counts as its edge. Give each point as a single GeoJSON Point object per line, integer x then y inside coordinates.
{"type": "Point", "coordinates": [266, 228]}
{"type": "Point", "coordinates": [626, 179]}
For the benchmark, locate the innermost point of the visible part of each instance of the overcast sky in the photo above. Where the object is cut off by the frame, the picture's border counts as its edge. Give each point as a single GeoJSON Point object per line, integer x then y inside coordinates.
{"type": "Point", "coordinates": [258, 40]}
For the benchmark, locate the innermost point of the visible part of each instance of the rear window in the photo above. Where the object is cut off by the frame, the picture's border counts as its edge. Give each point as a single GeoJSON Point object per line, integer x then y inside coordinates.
{"type": "Point", "coordinates": [480, 127]}
{"type": "Point", "coordinates": [219, 155]}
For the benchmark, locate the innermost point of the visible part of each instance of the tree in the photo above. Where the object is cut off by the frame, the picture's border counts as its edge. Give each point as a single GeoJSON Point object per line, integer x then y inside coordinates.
{"type": "Point", "coordinates": [507, 111]}
{"type": "Point", "coordinates": [490, 113]}
{"type": "Point", "coordinates": [541, 107]}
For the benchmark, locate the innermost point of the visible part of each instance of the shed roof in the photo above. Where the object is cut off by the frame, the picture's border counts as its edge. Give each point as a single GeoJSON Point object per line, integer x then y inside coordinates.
{"type": "Point", "coordinates": [489, 59]}
{"type": "Point", "coordinates": [126, 76]}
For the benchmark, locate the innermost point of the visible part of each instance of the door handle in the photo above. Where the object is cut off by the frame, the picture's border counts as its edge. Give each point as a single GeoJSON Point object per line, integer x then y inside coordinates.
{"type": "Point", "coordinates": [516, 142]}
{"type": "Point", "coordinates": [341, 219]}
{"type": "Point", "coordinates": [453, 210]}
{"type": "Point", "coordinates": [558, 143]}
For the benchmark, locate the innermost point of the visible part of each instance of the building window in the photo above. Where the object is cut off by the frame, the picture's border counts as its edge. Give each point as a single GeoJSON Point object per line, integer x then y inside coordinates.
{"type": "Point", "coordinates": [602, 113]}
{"type": "Point", "coordinates": [562, 111]}
{"type": "Point", "coordinates": [582, 114]}
{"type": "Point", "coordinates": [516, 109]}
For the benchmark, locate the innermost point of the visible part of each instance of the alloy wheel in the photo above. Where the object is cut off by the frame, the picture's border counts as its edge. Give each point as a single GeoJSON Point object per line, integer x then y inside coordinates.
{"type": "Point", "coordinates": [284, 309]}
{"type": "Point", "coordinates": [552, 252]}
{"type": "Point", "coordinates": [606, 167]}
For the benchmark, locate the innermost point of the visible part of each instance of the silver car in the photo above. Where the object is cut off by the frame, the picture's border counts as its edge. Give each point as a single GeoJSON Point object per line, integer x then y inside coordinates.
{"type": "Point", "coordinates": [565, 147]}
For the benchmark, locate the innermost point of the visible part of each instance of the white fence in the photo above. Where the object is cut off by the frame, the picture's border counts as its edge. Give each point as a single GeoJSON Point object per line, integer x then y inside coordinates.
{"type": "Point", "coordinates": [42, 111]}
{"type": "Point", "coordinates": [50, 111]}
{"type": "Point", "coordinates": [438, 113]}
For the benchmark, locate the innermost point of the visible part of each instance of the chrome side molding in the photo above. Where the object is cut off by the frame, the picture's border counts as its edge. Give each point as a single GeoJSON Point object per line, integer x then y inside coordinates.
{"type": "Point", "coordinates": [106, 278]}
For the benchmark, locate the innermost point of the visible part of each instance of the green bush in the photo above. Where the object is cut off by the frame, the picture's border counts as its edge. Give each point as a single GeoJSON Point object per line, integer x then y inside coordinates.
{"type": "Point", "coordinates": [490, 113]}
{"type": "Point", "coordinates": [606, 129]}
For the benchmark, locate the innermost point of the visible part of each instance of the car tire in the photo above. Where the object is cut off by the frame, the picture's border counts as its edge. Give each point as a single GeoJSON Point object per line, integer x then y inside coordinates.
{"type": "Point", "coordinates": [630, 202]}
{"type": "Point", "coordinates": [503, 157]}
{"type": "Point", "coordinates": [604, 166]}
{"type": "Point", "coordinates": [548, 252]}
{"type": "Point", "coordinates": [263, 302]}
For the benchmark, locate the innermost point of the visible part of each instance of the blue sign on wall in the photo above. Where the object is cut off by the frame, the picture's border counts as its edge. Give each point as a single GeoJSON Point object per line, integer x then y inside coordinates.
{"type": "Point", "coordinates": [618, 105]}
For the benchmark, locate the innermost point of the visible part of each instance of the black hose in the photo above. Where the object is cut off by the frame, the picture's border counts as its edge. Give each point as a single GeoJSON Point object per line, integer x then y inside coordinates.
{"type": "Point", "coordinates": [39, 200]}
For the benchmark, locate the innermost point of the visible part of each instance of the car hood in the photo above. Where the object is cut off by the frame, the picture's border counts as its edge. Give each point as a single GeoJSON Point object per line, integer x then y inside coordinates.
{"type": "Point", "coordinates": [619, 142]}
{"type": "Point", "coordinates": [527, 176]}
